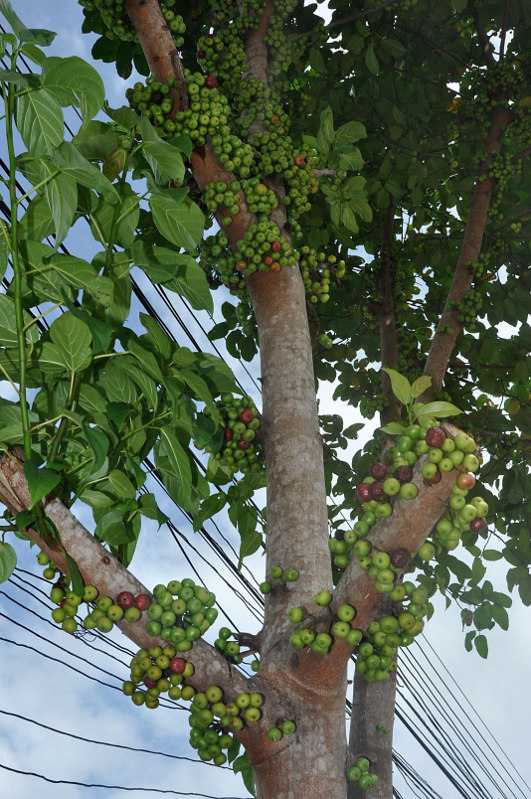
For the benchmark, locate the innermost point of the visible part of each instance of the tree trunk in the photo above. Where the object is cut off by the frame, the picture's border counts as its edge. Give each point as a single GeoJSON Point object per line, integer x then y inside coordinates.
{"type": "Point", "coordinates": [311, 763]}
{"type": "Point", "coordinates": [373, 705]}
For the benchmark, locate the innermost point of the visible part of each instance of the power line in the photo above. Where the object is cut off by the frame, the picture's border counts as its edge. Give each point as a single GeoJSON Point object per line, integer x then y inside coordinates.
{"type": "Point", "coordinates": [113, 787]}
{"type": "Point", "coordinates": [108, 743]}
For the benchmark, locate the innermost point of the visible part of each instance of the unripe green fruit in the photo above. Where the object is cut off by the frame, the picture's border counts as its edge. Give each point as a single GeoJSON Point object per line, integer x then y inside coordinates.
{"type": "Point", "coordinates": [354, 637]}
{"type": "Point", "coordinates": [341, 629]}
{"type": "Point", "coordinates": [323, 598]}
{"type": "Point", "coordinates": [426, 551]}
{"type": "Point", "coordinates": [274, 734]}
{"type": "Point", "coordinates": [470, 463]}
{"type": "Point", "coordinates": [346, 612]}
{"type": "Point", "coordinates": [353, 774]}
{"type": "Point", "coordinates": [296, 615]}
{"type": "Point", "coordinates": [57, 595]}
{"type": "Point", "coordinates": [288, 727]}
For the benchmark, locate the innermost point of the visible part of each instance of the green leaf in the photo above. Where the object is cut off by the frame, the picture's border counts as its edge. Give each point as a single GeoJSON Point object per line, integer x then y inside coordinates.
{"type": "Point", "coordinates": [437, 409]}
{"type": "Point", "coordinates": [95, 140]}
{"type": "Point", "coordinates": [146, 358]}
{"type": "Point", "coordinates": [482, 648]}
{"type": "Point", "coordinates": [9, 76]}
{"type": "Point", "coordinates": [209, 508]}
{"type": "Point", "coordinates": [104, 222]}
{"type": "Point", "coordinates": [352, 131]}
{"type": "Point", "coordinates": [121, 485]}
{"type": "Point", "coordinates": [39, 120]}
{"type": "Point", "coordinates": [178, 459]}
{"type": "Point", "coordinates": [39, 36]}
{"type": "Point", "coordinates": [40, 481]}
{"type": "Point", "coordinates": [78, 586]}
{"type": "Point", "coordinates": [70, 349]}
{"type": "Point", "coordinates": [500, 616]}
{"type": "Point", "coordinates": [165, 161]}
{"type": "Point", "coordinates": [478, 571]}
{"type": "Point", "coordinates": [25, 518]}
{"type": "Point", "coordinates": [348, 219]}
{"type": "Point", "coordinates": [60, 193]}
{"type": "Point", "coordinates": [250, 543]}
{"type": "Point", "coordinates": [242, 765]}
{"type": "Point", "coordinates": [524, 589]}
{"type": "Point", "coordinates": [201, 391]}
{"type": "Point", "coordinates": [34, 53]}
{"type": "Point", "coordinates": [97, 499]}
{"type": "Point", "coordinates": [8, 561]}
{"type": "Point", "coordinates": [394, 429]}
{"type": "Point", "coordinates": [183, 225]}
{"type": "Point", "coordinates": [326, 127]}
{"type": "Point", "coordinates": [420, 385]}
{"type": "Point", "coordinates": [75, 74]}
{"type": "Point", "coordinates": [371, 61]}
{"type": "Point", "coordinates": [8, 324]}
{"type": "Point", "coordinates": [37, 222]}
{"type": "Point", "coordinates": [469, 638]}
{"type": "Point", "coordinates": [316, 61]}
{"type": "Point", "coordinates": [491, 554]}
{"type": "Point", "coordinates": [400, 385]}
{"type": "Point", "coordinates": [99, 444]}
{"type": "Point", "coordinates": [351, 161]}
{"type": "Point", "coordinates": [73, 163]}
{"type": "Point", "coordinates": [146, 384]}
{"type": "Point", "coordinates": [181, 273]}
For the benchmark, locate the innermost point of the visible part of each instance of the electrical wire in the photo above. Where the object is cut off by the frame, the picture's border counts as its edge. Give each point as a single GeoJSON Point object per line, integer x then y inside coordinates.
{"type": "Point", "coordinates": [79, 784]}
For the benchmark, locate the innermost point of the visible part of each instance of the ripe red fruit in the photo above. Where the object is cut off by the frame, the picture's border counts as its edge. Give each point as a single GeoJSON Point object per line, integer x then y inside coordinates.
{"type": "Point", "coordinates": [376, 491]}
{"type": "Point", "coordinates": [177, 665]}
{"type": "Point", "coordinates": [478, 524]}
{"type": "Point", "coordinates": [435, 479]}
{"type": "Point", "coordinates": [211, 81]}
{"type": "Point", "coordinates": [125, 599]}
{"type": "Point", "coordinates": [435, 436]}
{"type": "Point", "coordinates": [298, 160]}
{"type": "Point", "coordinates": [227, 435]}
{"type": "Point", "coordinates": [142, 602]}
{"type": "Point", "coordinates": [465, 480]}
{"type": "Point", "coordinates": [399, 558]}
{"type": "Point", "coordinates": [404, 474]}
{"type": "Point", "coordinates": [363, 492]}
{"type": "Point", "coordinates": [378, 471]}
{"type": "Point", "coordinates": [172, 184]}
{"type": "Point", "coordinates": [243, 444]}
{"type": "Point", "coordinates": [246, 416]}
{"type": "Point", "coordinates": [276, 246]}
{"type": "Point", "coordinates": [267, 260]}
{"type": "Point", "coordinates": [149, 683]}
{"type": "Point", "coordinates": [201, 53]}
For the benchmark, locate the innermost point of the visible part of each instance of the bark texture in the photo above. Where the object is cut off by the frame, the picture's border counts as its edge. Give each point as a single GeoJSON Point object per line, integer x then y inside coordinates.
{"type": "Point", "coordinates": [373, 704]}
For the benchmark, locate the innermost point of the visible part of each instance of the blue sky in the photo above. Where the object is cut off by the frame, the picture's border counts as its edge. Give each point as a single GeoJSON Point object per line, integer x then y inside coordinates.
{"type": "Point", "coordinates": [51, 693]}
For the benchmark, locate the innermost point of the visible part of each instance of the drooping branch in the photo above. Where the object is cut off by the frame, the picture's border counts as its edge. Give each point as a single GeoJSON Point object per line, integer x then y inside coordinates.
{"type": "Point", "coordinates": [100, 568]}
{"type": "Point", "coordinates": [450, 325]}
{"type": "Point", "coordinates": [163, 60]}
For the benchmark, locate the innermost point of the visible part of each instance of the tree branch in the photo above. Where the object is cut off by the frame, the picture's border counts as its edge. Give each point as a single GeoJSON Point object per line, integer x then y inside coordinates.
{"type": "Point", "coordinates": [450, 326]}
{"type": "Point", "coordinates": [163, 60]}
{"type": "Point", "coordinates": [101, 569]}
